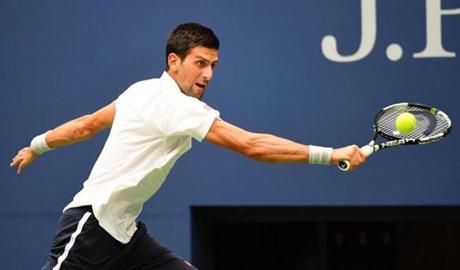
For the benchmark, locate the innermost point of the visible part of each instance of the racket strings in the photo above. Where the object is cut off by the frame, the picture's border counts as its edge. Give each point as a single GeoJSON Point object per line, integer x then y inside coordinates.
{"type": "Point", "coordinates": [428, 123]}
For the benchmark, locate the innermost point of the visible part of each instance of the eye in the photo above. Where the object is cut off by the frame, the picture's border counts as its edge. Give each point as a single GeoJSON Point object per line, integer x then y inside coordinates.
{"type": "Point", "coordinates": [200, 63]}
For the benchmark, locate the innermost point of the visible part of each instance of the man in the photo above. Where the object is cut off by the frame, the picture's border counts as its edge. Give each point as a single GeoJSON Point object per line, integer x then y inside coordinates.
{"type": "Point", "coordinates": [152, 124]}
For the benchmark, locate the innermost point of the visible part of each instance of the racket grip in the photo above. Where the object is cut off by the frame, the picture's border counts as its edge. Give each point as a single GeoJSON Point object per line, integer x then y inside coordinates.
{"type": "Point", "coordinates": [344, 165]}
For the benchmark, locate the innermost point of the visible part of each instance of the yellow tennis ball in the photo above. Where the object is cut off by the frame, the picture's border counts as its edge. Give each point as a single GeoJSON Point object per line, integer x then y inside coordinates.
{"type": "Point", "coordinates": [406, 122]}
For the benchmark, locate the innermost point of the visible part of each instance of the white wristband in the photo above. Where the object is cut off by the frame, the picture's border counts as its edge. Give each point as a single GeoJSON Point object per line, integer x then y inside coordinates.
{"type": "Point", "coordinates": [39, 145]}
{"type": "Point", "coordinates": [320, 155]}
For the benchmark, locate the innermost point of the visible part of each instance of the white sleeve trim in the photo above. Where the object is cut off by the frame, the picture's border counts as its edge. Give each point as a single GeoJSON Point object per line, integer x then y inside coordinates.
{"type": "Point", "coordinates": [207, 125]}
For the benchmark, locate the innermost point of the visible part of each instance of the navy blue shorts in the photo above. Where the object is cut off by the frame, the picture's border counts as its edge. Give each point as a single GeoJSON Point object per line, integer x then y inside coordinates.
{"type": "Point", "coordinates": [80, 243]}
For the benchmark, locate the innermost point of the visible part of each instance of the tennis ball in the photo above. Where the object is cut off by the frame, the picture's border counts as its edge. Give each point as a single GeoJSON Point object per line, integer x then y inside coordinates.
{"type": "Point", "coordinates": [405, 122]}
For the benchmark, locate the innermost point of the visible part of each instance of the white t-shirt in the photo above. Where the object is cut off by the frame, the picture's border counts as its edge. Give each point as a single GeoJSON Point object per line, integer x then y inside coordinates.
{"type": "Point", "coordinates": [153, 126]}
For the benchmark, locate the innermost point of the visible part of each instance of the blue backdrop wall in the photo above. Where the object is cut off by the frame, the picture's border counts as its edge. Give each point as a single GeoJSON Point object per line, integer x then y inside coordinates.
{"type": "Point", "coordinates": [62, 59]}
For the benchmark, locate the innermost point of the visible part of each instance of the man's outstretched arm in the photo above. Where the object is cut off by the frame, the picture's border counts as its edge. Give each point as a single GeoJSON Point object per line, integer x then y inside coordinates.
{"type": "Point", "coordinates": [76, 130]}
{"type": "Point", "coordinates": [270, 148]}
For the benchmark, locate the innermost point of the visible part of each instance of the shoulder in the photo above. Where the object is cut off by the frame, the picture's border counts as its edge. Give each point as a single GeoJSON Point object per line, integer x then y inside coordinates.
{"type": "Point", "coordinates": [140, 89]}
{"type": "Point", "coordinates": [146, 84]}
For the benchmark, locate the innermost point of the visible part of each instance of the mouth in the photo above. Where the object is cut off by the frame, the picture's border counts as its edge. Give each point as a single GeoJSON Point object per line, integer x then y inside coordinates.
{"type": "Point", "coordinates": [200, 85]}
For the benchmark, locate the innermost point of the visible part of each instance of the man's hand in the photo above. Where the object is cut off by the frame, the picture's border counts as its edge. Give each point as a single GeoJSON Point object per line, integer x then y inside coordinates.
{"type": "Point", "coordinates": [24, 158]}
{"type": "Point", "coordinates": [351, 153]}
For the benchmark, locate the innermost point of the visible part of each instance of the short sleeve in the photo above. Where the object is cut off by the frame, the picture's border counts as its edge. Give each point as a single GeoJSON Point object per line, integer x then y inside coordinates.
{"type": "Point", "coordinates": [183, 115]}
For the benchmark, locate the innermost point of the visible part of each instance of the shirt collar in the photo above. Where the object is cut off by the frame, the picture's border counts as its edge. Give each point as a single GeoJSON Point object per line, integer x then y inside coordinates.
{"type": "Point", "coordinates": [169, 82]}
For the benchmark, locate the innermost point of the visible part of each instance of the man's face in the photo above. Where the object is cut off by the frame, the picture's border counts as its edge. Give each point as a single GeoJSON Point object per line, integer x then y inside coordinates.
{"type": "Point", "coordinates": [194, 73]}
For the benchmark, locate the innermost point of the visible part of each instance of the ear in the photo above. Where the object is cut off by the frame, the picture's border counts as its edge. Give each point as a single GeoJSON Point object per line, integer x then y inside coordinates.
{"type": "Point", "coordinates": [173, 62]}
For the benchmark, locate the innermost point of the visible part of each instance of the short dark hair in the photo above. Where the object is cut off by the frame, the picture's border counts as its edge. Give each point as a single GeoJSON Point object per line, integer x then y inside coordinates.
{"type": "Point", "coordinates": [186, 36]}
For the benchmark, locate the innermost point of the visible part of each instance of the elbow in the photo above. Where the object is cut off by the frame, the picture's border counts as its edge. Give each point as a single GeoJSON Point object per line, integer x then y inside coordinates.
{"type": "Point", "coordinates": [253, 153]}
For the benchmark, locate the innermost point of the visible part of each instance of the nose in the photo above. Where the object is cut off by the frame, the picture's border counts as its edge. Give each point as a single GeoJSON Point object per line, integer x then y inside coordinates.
{"type": "Point", "coordinates": [208, 73]}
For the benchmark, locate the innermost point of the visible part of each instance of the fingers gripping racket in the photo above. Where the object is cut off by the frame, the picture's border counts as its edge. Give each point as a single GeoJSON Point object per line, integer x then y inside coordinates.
{"type": "Point", "coordinates": [431, 126]}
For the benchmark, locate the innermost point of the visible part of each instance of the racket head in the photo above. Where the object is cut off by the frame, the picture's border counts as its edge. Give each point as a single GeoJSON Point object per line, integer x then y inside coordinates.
{"type": "Point", "coordinates": [432, 124]}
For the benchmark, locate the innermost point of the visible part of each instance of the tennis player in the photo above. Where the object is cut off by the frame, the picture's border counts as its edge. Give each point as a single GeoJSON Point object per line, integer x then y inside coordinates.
{"type": "Point", "coordinates": [152, 124]}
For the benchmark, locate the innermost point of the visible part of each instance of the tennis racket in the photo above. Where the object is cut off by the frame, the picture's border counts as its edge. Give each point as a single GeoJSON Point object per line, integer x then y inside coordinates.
{"type": "Point", "coordinates": [432, 125]}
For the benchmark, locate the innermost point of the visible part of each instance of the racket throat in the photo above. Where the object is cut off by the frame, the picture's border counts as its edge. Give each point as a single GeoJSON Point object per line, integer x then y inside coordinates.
{"type": "Point", "coordinates": [369, 149]}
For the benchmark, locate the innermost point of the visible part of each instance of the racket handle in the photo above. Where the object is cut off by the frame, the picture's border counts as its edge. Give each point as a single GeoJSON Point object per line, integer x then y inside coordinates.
{"type": "Point", "coordinates": [368, 150]}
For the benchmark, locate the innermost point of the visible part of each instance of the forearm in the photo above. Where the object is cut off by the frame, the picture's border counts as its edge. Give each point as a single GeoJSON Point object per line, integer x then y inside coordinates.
{"type": "Point", "coordinates": [71, 132]}
{"type": "Point", "coordinates": [82, 128]}
{"type": "Point", "coordinates": [270, 148]}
